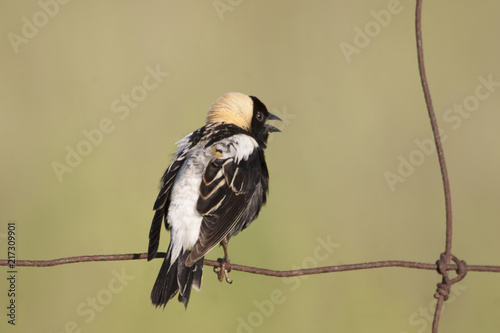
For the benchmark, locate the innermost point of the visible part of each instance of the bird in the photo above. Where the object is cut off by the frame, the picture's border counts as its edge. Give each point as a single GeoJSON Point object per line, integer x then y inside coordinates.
{"type": "Point", "coordinates": [214, 188]}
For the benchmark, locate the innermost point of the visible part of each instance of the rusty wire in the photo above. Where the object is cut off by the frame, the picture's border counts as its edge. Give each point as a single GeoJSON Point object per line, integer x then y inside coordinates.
{"type": "Point", "coordinates": [444, 287]}
{"type": "Point", "coordinates": [435, 129]}
{"type": "Point", "coordinates": [255, 270]}
{"type": "Point", "coordinates": [442, 266]}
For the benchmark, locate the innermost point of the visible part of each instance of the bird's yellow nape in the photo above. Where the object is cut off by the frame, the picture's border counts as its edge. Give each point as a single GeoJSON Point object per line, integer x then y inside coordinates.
{"type": "Point", "coordinates": [232, 108]}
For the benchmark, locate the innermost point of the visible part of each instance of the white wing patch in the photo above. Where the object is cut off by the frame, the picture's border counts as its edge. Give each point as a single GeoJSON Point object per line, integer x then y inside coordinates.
{"type": "Point", "coordinates": [239, 146]}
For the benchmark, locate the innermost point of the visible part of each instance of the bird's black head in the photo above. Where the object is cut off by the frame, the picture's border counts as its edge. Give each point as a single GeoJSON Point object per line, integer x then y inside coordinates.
{"type": "Point", "coordinates": [246, 112]}
{"type": "Point", "coordinates": [260, 129]}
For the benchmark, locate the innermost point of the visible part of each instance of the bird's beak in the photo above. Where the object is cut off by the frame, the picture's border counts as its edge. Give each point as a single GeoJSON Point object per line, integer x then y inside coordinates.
{"type": "Point", "coordinates": [270, 128]}
{"type": "Point", "coordinates": [273, 117]}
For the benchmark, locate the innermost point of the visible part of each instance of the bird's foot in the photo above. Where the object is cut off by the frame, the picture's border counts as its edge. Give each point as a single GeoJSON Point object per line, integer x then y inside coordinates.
{"type": "Point", "coordinates": [223, 269]}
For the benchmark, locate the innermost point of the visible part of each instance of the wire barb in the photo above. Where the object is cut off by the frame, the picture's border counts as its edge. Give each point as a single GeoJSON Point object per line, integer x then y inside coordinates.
{"type": "Point", "coordinates": [444, 288]}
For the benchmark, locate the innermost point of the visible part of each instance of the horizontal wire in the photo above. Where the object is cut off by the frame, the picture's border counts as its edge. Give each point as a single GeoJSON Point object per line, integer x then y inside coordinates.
{"type": "Point", "coordinates": [249, 269]}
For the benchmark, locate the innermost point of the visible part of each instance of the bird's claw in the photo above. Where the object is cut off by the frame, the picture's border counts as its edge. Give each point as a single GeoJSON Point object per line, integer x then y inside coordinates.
{"type": "Point", "coordinates": [223, 269]}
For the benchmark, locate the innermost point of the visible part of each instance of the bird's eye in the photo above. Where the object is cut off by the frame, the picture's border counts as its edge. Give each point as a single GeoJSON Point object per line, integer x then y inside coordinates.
{"type": "Point", "coordinates": [259, 116]}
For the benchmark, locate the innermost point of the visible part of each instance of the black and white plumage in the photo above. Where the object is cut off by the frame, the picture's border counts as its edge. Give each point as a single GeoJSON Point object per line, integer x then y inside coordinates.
{"type": "Point", "coordinates": [214, 188]}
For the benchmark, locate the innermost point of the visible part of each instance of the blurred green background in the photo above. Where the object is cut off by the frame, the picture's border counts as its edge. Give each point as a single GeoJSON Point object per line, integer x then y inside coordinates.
{"type": "Point", "coordinates": [352, 168]}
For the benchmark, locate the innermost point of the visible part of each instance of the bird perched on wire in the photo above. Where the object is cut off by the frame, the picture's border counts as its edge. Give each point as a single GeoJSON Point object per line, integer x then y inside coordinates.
{"type": "Point", "coordinates": [214, 188]}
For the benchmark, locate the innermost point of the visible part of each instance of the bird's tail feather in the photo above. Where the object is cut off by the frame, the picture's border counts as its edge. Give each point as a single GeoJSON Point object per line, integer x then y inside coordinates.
{"type": "Point", "coordinates": [176, 277]}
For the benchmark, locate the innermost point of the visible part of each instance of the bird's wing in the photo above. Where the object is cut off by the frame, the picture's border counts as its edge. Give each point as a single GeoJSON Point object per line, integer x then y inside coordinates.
{"type": "Point", "coordinates": [163, 200]}
{"type": "Point", "coordinates": [226, 189]}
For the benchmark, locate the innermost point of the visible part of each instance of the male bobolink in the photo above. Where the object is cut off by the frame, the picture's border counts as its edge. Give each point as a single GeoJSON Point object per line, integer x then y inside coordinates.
{"type": "Point", "coordinates": [214, 188]}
